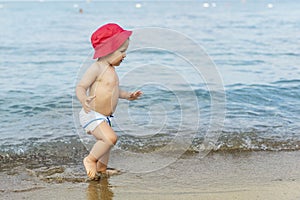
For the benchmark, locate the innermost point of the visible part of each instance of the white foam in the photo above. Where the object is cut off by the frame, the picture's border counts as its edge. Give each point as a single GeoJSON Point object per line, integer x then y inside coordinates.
{"type": "Point", "coordinates": [206, 5]}
{"type": "Point", "coordinates": [138, 5]}
{"type": "Point", "coordinates": [270, 5]}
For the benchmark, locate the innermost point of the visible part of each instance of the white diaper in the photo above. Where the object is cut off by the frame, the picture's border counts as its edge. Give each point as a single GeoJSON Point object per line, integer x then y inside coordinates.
{"type": "Point", "coordinates": [89, 121]}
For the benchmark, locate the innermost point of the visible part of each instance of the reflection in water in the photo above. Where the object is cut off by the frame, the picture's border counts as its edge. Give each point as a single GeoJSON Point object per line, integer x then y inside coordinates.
{"type": "Point", "coordinates": [99, 190]}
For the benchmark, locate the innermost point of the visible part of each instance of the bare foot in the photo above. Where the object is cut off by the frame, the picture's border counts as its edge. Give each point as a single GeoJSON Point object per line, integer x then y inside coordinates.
{"type": "Point", "coordinates": [90, 167]}
{"type": "Point", "coordinates": [110, 172]}
{"type": "Point", "coordinates": [101, 167]}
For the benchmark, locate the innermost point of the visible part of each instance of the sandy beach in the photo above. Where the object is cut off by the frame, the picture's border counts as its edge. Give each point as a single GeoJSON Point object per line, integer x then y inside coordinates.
{"type": "Point", "coordinates": [243, 175]}
{"type": "Point", "coordinates": [214, 74]}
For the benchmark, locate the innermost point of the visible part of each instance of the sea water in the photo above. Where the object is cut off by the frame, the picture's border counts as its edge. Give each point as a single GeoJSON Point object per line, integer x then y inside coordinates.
{"type": "Point", "coordinates": [254, 47]}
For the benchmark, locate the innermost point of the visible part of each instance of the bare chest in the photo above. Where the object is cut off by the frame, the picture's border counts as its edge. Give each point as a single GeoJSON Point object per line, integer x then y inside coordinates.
{"type": "Point", "coordinates": [108, 79]}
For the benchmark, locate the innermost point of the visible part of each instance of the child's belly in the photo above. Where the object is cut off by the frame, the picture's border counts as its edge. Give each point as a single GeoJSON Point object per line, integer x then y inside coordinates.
{"type": "Point", "coordinates": [105, 102]}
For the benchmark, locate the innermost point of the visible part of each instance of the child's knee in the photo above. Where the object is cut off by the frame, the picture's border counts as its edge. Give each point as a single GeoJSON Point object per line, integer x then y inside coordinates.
{"type": "Point", "coordinates": [110, 139]}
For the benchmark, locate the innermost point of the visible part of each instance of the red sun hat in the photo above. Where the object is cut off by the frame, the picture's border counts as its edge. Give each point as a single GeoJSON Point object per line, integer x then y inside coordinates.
{"type": "Point", "coordinates": [108, 38]}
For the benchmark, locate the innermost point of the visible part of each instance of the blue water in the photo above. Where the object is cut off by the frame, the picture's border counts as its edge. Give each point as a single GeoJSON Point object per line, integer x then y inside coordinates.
{"type": "Point", "coordinates": [255, 49]}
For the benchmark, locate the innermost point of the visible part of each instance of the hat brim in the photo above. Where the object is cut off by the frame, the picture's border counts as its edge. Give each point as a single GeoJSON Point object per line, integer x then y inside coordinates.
{"type": "Point", "coordinates": [111, 44]}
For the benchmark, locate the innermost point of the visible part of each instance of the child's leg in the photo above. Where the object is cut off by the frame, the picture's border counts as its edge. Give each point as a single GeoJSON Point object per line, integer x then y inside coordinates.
{"type": "Point", "coordinates": [102, 166]}
{"type": "Point", "coordinates": [102, 163]}
{"type": "Point", "coordinates": [106, 139]}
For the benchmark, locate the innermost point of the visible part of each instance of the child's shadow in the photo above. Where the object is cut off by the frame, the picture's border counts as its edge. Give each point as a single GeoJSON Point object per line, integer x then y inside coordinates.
{"type": "Point", "coordinates": [99, 190]}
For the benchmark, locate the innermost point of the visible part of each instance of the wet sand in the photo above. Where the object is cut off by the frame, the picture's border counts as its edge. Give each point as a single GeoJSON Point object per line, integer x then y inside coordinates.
{"type": "Point", "coordinates": [244, 175]}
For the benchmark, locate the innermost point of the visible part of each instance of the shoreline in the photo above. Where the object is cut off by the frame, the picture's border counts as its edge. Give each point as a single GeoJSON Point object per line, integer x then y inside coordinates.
{"type": "Point", "coordinates": [287, 190]}
{"type": "Point", "coordinates": [255, 175]}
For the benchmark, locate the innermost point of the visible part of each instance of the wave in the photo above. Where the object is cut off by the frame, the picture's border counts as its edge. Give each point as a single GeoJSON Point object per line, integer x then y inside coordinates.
{"type": "Point", "coordinates": [258, 118]}
{"type": "Point", "coordinates": [36, 153]}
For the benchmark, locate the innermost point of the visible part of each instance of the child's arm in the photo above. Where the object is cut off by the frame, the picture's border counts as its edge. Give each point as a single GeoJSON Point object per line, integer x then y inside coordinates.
{"type": "Point", "coordinates": [87, 80]}
{"type": "Point", "coordinates": [129, 95]}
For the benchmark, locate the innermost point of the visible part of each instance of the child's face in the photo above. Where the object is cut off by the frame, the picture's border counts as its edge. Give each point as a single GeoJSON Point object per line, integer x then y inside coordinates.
{"type": "Point", "coordinates": [117, 57]}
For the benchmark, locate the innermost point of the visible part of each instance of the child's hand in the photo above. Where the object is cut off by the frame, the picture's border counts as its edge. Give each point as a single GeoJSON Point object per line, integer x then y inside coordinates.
{"type": "Point", "coordinates": [86, 104]}
{"type": "Point", "coordinates": [134, 95]}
